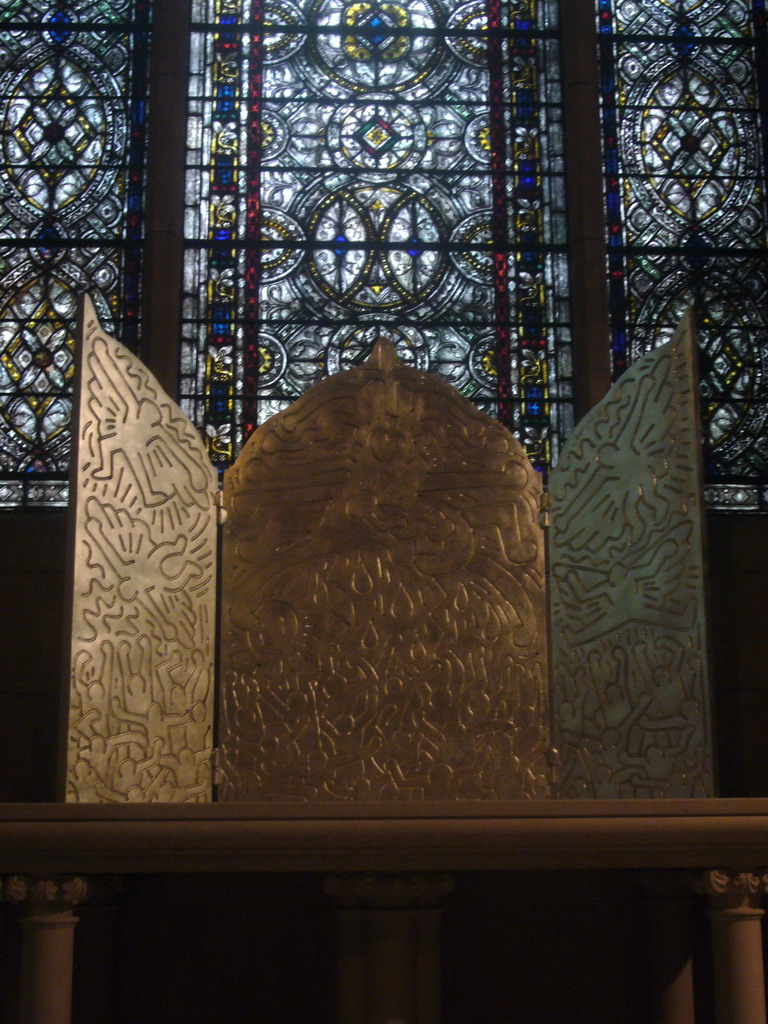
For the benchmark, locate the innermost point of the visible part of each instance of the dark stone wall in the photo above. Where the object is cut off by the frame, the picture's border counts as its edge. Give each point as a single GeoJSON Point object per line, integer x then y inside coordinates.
{"type": "Point", "coordinates": [32, 598]}
{"type": "Point", "coordinates": [738, 607]}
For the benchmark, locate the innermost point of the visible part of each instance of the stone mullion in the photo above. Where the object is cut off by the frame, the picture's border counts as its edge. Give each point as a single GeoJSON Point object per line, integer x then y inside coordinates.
{"type": "Point", "coordinates": [164, 219]}
{"type": "Point", "coordinates": [585, 204]}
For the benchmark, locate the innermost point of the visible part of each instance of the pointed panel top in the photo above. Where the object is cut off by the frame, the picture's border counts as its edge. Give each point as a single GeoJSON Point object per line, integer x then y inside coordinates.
{"type": "Point", "coordinates": [144, 586]}
{"type": "Point", "coordinates": [384, 355]}
{"type": "Point", "coordinates": [629, 647]}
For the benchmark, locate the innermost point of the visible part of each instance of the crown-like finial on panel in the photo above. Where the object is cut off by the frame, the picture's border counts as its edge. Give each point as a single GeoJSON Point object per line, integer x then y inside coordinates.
{"type": "Point", "coordinates": [384, 356]}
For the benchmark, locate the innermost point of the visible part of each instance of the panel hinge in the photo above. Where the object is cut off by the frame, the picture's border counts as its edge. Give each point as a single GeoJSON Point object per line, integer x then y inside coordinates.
{"type": "Point", "coordinates": [221, 512]}
{"type": "Point", "coordinates": [545, 503]}
{"type": "Point", "coordinates": [555, 764]}
{"type": "Point", "coordinates": [215, 767]}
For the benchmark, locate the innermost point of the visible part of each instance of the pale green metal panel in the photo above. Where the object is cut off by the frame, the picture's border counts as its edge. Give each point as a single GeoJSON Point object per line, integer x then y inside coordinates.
{"type": "Point", "coordinates": [631, 690]}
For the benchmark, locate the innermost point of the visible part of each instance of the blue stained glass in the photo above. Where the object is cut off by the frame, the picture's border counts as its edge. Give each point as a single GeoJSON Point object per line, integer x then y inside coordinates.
{"type": "Point", "coordinates": [383, 176]}
{"type": "Point", "coordinates": [684, 91]}
{"type": "Point", "coordinates": [72, 91]}
{"type": "Point", "coordinates": [60, 29]}
{"type": "Point", "coordinates": [684, 40]}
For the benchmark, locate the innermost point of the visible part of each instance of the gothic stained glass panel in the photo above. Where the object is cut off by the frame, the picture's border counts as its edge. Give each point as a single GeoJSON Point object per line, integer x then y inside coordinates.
{"type": "Point", "coordinates": [684, 127]}
{"type": "Point", "coordinates": [73, 97]}
{"type": "Point", "coordinates": [366, 168]}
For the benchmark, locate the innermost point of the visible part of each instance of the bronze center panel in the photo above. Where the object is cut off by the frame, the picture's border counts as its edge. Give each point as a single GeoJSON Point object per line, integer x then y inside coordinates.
{"type": "Point", "coordinates": [383, 610]}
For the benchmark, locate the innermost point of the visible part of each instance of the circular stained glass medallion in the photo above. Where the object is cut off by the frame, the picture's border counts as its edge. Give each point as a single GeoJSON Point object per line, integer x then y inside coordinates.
{"type": "Point", "coordinates": [351, 346]}
{"type": "Point", "coordinates": [467, 34]}
{"type": "Point", "coordinates": [379, 248]}
{"type": "Point", "coordinates": [369, 46]}
{"type": "Point", "coordinates": [62, 117]}
{"type": "Point", "coordinates": [377, 135]}
{"type": "Point", "coordinates": [283, 31]}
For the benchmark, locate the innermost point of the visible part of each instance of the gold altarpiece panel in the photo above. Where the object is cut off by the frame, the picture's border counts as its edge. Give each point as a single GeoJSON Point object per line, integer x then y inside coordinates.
{"type": "Point", "coordinates": [141, 653]}
{"type": "Point", "coordinates": [383, 600]}
{"type": "Point", "coordinates": [631, 691]}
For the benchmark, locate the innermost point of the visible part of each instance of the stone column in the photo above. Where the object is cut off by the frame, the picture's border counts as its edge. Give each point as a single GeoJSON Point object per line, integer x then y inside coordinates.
{"type": "Point", "coordinates": [737, 947]}
{"type": "Point", "coordinates": [667, 904]}
{"type": "Point", "coordinates": [48, 930]}
{"type": "Point", "coordinates": [389, 947]}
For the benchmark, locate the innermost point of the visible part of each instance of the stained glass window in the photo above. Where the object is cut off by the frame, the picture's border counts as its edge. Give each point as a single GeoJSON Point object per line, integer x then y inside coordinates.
{"type": "Point", "coordinates": [684, 119]}
{"type": "Point", "coordinates": [365, 168]}
{"type": "Point", "coordinates": [73, 98]}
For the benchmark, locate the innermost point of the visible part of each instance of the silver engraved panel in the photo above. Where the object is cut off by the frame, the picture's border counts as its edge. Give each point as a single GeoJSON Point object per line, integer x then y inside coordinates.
{"type": "Point", "coordinates": [143, 617]}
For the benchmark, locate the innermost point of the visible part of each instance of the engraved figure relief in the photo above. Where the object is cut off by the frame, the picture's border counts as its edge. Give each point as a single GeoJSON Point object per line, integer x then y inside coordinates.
{"type": "Point", "coordinates": [143, 622]}
{"type": "Point", "coordinates": [631, 707]}
{"type": "Point", "coordinates": [383, 607]}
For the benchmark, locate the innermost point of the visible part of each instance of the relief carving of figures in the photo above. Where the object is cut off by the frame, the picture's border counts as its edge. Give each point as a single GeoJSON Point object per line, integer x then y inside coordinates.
{"type": "Point", "coordinates": [630, 675]}
{"type": "Point", "coordinates": [383, 621]}
{"type": "Point", "coordinates": [143, 622]}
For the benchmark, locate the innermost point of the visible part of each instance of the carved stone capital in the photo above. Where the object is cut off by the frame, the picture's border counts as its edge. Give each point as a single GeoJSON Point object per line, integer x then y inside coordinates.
{"type": "Point", "coordinates": [52, 894]}
{"type": "Point", "coordinates": [733, 891]}
{"type": "Point", "coordinates": [389, 891]}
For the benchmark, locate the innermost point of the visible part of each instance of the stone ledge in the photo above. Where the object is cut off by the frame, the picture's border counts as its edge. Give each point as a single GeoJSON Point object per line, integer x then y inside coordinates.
{"type": "Point", "coordinates": [562, 835]}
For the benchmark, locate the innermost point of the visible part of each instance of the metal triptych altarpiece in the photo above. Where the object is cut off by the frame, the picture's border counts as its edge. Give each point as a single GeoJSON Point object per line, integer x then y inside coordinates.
{"type": "Point", "coordinates": [383, 625]}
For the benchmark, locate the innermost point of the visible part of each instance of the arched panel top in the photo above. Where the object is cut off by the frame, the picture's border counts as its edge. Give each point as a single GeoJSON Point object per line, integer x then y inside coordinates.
{"type": "Point", "coordinates": [383, 599]}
